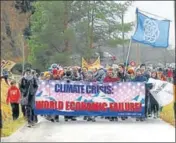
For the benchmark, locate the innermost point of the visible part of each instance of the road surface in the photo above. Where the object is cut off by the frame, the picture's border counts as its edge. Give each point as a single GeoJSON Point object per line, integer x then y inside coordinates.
{"type": "Point", "coordinates": [152, 130]}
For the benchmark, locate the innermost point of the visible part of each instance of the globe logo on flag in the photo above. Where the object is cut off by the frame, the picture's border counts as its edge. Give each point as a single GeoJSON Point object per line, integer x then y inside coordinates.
{"type": "Point", "coordinates": [151, 30]}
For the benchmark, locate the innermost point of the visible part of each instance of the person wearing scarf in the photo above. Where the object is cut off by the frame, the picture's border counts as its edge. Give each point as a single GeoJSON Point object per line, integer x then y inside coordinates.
{"type": "Point", "coordinates": [28, 88]}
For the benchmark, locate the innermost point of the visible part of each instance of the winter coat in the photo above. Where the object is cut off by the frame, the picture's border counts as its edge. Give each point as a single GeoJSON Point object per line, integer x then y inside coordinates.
{"type": "Point", "coordinates": [110, 79]}
{"type": "Point", "coordinates": [76, 77]}
{"type": "Point", "coordinates": [140, 79]}
{"type": "Point", "coordinates": [100, 75]}
{"type": "Point", "coordinates": [29, 88]}
{"type": "Point", "coordinates": [170, 73]}
{"type": "Point", "coordinates": [146, 74]}
{"type": "Point", "coordinates": [67, 79]}
{"type": "Point", "coordinates": [123, 77]}
{"type": "Point", "coordinates": [13, 95]}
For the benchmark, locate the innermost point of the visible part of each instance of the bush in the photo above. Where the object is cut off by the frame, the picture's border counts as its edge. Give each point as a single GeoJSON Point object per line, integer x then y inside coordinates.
{"type": "Point", "coordinates": [18, 68]}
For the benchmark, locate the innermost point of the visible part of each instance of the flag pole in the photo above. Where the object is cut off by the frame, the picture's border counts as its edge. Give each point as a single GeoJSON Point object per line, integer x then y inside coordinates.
{"type": "Point", "coordinates": [128, 54]}
{"type": "Point", "coordinates": [129, 48]}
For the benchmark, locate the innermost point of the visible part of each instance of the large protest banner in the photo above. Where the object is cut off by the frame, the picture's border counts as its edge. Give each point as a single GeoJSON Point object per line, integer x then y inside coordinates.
{"type": "Point", "coordinates": [162, 91]}
{"type": "Point", "coordinates": [90, 99]}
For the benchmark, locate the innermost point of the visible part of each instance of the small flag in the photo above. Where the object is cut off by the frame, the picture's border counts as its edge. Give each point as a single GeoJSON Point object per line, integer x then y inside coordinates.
{"type": "Point", "coordinates": [151, 31]}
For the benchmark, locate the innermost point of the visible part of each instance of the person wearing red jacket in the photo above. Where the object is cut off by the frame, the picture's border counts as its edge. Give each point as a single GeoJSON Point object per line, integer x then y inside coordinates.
{"type": "Point", "coordinates": [13, 97]}
{"type": "Point", "coordinates": [170, 74]}
{"type": "Point", "coordinates": [110, 78]}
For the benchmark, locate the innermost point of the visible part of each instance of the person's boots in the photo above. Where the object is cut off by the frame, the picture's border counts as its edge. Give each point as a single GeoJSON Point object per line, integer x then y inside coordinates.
{"type": "Point", "coordinates": [66, 118]}
{"type": "Point", "coordinates": [57, 118]}
{"type": "Point", "coordinates": [85, 118]}
{"type": "Point", "coordinates": [137, 119]}
{"type": "Point", "coordinates": [115, 119]}
{"type": "Point", "coordinates": [89, 119]}
{"type": "Point", "coordinates": [29, 125]}
{"type": "Point", "coordinates": [73, 118]}
{"type": "Point", "coordinates": [93, 119]}
{"type": "Point", "coordinates": [156, 115]}
{"type": "Point", "coordinates": [111, 119]}
{"type": "Point", "coordinates": [35, 119]}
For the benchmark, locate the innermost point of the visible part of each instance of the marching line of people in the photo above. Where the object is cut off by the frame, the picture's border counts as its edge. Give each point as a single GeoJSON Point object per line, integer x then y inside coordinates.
{"type": "Point", "coordinates": [141, 74]}
{"type": "Point", "coordinates": [24, 94]}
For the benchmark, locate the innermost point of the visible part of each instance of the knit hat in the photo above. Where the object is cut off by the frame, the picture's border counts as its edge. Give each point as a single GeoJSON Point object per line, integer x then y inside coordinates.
{"type": "Point", "coordinates": [130, 71]}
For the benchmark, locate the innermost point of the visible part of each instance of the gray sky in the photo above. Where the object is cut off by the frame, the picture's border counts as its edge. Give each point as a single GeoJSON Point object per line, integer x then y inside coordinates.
{"type": "Point", "coordinates": [162, 8]}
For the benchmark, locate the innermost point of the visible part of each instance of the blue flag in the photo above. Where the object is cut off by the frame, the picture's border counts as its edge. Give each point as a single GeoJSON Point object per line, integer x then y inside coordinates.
{"type": "Point", "coordinates": [151, 31]}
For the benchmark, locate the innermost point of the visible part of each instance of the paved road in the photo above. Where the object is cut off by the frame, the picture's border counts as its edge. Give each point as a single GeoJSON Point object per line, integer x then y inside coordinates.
{"type": "Point", "coordinates": [82, 131]}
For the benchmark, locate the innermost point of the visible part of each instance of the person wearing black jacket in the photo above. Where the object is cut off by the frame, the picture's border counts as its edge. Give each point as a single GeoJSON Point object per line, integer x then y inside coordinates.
{"type": "Point", "coordinates": [28, 88]}
{"type": "Point", "coordinates": [68, 78]}
{"type": "Point", "coordinates": [123, 78]}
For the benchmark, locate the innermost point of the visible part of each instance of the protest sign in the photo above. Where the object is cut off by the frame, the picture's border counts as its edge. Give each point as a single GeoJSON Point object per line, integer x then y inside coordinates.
{"type": "Point", "coordinates": [94, 65]}
{"type": "Point", "coordinates": [162, 91]}
{"type": "Point", "coordinates": [8, 65]}
{"type": "Point", "coordinates": [90, 99]}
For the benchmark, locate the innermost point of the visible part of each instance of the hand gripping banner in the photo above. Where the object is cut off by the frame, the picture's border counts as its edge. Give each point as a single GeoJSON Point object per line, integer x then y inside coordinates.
{"type": "Point", "coordinates": [90, 99]}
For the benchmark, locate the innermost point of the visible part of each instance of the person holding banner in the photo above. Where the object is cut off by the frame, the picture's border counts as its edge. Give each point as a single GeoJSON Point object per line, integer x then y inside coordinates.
{"type": "Point", "coordinates": [76, 75]}
{"type": "Point", "coordinates": [89, 78]}
{"type": "Point", "coordinates": [140, 78]}
{"type": "Point", "coordinates": [123, 78]}
{"type": "Point", "coordinates": [68, 78]}
{"type": "Point", "coordinates": [110, 78]}
{"type": "Point", "coordinates": [100, 75]}
{"type": "Point", "coordinates": [154, 108]}
{"type": "Point", "coordinates": [160, 75]}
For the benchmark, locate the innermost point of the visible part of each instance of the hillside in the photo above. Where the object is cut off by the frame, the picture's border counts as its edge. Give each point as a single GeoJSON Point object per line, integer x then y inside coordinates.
{"type": "Point", "coordinates": [13, 23]}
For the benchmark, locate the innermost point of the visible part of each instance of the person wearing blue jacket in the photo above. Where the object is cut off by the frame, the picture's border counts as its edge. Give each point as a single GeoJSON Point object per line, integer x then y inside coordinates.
{"type": "Point", "coordinates": [139, 76]}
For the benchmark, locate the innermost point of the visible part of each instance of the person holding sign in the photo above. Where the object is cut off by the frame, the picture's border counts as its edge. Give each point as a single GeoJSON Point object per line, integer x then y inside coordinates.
{"type": "Point", "coordinates": [140, 78]}
{"type": "Point", "coordinates": [109, 78]}
{"type": "Point", "coordinates": [89, 78]}
{"type": "Point", "coordinates": [160, 75]}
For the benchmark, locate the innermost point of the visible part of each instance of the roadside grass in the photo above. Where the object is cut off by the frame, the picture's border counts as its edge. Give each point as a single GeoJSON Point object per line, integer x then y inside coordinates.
{"type": "Point", "coordinates": [9, 126]}
{"type": "Point", "coordinates": [167, 114]}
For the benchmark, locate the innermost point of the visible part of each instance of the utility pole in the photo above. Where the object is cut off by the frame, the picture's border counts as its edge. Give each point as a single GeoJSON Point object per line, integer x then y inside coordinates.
{"type": "Point", "coordinates": [23, 53]}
